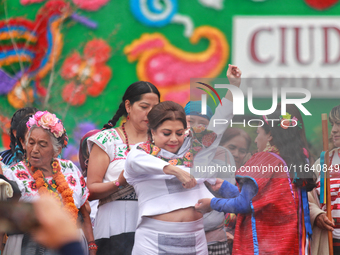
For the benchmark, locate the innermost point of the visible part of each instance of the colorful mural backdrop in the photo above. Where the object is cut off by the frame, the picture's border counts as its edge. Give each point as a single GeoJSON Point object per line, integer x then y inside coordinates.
{"type": "Point", "coordinates": [76, 58]}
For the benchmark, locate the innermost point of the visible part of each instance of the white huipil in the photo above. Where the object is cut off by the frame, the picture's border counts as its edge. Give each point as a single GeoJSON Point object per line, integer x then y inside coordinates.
{"type": "Point", "coordinates": [159, 193]}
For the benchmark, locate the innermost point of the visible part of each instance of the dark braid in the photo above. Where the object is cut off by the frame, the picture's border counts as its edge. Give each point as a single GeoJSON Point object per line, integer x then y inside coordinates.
{"type": "Point", "coordinates": [133, 93]}
{"type": "Point", "coordinates": [17, 117]}
{"type": "Point", "coordinates": [21, 133]}
{"type": "Point", "coordinates": [119, 113]}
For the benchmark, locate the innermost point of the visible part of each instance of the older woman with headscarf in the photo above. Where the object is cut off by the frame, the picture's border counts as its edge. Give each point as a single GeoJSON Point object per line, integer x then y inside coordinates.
{"type": "Point", "coordinates": [43, 173]}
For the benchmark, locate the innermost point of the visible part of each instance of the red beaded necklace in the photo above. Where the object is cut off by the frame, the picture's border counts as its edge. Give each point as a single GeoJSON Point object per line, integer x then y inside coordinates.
{"type": "Point", "coordinates": [126, 137]}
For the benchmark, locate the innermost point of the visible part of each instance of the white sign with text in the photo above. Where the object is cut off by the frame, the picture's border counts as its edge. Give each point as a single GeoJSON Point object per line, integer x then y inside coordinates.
{"type": "Point", "coordinates": [288, 51]}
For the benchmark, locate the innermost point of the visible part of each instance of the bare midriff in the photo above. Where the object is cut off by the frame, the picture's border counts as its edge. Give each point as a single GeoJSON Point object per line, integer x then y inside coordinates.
{"type": "Point", "coordinates": [180, 215]}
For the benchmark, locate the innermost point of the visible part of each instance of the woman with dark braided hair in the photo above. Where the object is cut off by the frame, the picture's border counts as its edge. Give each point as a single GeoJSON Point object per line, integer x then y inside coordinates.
{"type": "Point", "coordinates": [271, 198]}
{"type": "Point", "coordinates": [116, 218]}
{"type": "Point", "coordinates": [16, 147]}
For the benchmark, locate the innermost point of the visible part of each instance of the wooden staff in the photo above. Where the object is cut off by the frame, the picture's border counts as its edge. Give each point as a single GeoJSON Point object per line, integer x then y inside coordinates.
{"type": "Point", "coordinates": [327, 179]}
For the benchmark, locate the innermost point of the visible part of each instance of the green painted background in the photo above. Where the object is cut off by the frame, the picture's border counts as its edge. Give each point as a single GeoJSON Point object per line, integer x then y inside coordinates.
{"type": "Point", "coordinates": [119, 28]}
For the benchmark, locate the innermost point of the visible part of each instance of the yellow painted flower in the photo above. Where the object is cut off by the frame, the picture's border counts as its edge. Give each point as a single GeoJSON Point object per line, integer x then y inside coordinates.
{"type": "Point", "coordinates": [54, 186]}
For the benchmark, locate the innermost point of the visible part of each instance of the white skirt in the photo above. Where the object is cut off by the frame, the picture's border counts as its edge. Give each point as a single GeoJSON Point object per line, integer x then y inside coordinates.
{"type": "Point", "coordinates": [154, 237]}
{"type": "Point", "coordinates": [115, 218]}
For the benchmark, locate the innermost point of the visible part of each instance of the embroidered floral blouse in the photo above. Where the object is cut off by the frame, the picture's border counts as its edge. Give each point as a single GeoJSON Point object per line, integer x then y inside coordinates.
{"type": "Point", "coordinates": [29, 192]}
{"type": "Point", "coordinates": [112, 144]}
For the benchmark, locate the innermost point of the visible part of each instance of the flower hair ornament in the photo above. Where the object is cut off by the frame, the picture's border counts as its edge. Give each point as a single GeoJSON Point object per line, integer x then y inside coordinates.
{"type": "Point", "coordinates": [286, 121]}
{"type": "Point", "coordinates": [50, 122]}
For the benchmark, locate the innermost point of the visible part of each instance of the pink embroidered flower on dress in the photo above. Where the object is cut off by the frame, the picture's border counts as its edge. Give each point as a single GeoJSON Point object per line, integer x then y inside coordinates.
{"type": "Point", "coordinates": [22, 175]}
{"type": "Point", "coordinates": [188, 163]}
{"type": "Point", "coordinates": [145, 147]}
{"type": "Point", "coordinates": [155, 150]}
{"type": "Point", "coordinates": [32, 185]}
{"type": "Point", "coordinates": [208, 139]}
{"type": "Point", "coordinates": [82, 182]}
{"type": "Point", "coordinates": [71, 180]}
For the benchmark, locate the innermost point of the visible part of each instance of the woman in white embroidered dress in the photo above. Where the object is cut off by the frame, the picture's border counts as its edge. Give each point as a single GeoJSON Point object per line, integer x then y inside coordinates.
{"type": "Point", "coordinates": [43, 172]}
{"type": "Point", "coordinates": [160, 174]}
{"type": "Point", "coordinates": [116, 218]}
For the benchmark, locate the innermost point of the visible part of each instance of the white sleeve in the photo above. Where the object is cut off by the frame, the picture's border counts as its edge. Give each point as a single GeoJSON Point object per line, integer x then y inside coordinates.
{"type": "Point", "coordinates": [105, 140]}
{"type": "Point", "coordinates": [138, 163]}
{"type": "Point", "coordinates": [224, 113]}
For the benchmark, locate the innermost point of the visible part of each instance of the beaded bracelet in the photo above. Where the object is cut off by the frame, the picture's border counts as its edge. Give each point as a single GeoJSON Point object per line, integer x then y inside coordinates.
{"type": "Point", "coordinates": [116, 182]}
{"type": "Point", "coordinates": [92, 246]}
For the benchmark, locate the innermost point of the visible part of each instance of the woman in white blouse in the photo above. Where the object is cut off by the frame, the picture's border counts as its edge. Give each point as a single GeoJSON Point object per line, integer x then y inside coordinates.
{"type": "Point", "coordinates": [160, 173]}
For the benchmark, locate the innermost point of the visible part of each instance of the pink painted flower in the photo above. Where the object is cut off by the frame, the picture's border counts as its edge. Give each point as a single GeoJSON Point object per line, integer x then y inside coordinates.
{"type": "Point", "coordinates": [22, 175]}
{"type": "Point", "coordinates": [88, 5]}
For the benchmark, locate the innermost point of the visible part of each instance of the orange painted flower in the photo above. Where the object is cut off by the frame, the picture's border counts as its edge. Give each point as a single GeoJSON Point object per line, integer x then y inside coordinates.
{"type": "Point", "coordinates": [89, 74]}
{"type": "Point", "coordinates": [20, 95]}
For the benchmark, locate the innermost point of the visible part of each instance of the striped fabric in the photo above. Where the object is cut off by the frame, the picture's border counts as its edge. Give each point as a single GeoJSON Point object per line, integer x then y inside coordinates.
{"type": "Point", "coordinates": [272, 227]}
{"type": "Point", "coordinates": [6, 156]}
{"type": "Point", "coordinates": [334, 162]}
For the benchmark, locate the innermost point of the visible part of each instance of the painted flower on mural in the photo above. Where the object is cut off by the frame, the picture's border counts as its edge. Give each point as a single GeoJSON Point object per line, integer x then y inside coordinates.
{"type": "Point", "coordinates": [321, 4]}
{"type": "Point", "coordinates": [170, 68]}
{"type": "Point", "coordinates": [88, 74]}
{"type": "Point", "coordinates": [88, 5]}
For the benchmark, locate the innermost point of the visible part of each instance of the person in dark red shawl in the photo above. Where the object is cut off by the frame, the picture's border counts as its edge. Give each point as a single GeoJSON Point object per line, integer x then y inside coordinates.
{"type": "Point", "coordinates": [271, 197]}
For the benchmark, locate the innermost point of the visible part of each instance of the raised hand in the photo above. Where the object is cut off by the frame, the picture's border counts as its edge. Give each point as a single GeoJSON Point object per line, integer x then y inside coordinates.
{"type": "Point", "coordinates": [234, 75]}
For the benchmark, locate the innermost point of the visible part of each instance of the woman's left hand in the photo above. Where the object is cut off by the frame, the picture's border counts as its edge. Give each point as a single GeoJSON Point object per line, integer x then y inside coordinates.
{"type": "Point", "coordinates": [203, 205]}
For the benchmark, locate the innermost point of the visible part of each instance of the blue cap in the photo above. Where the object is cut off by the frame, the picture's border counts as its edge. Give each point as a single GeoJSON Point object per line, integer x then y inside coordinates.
{"type": "Point", "coordinates": [194, 108]}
